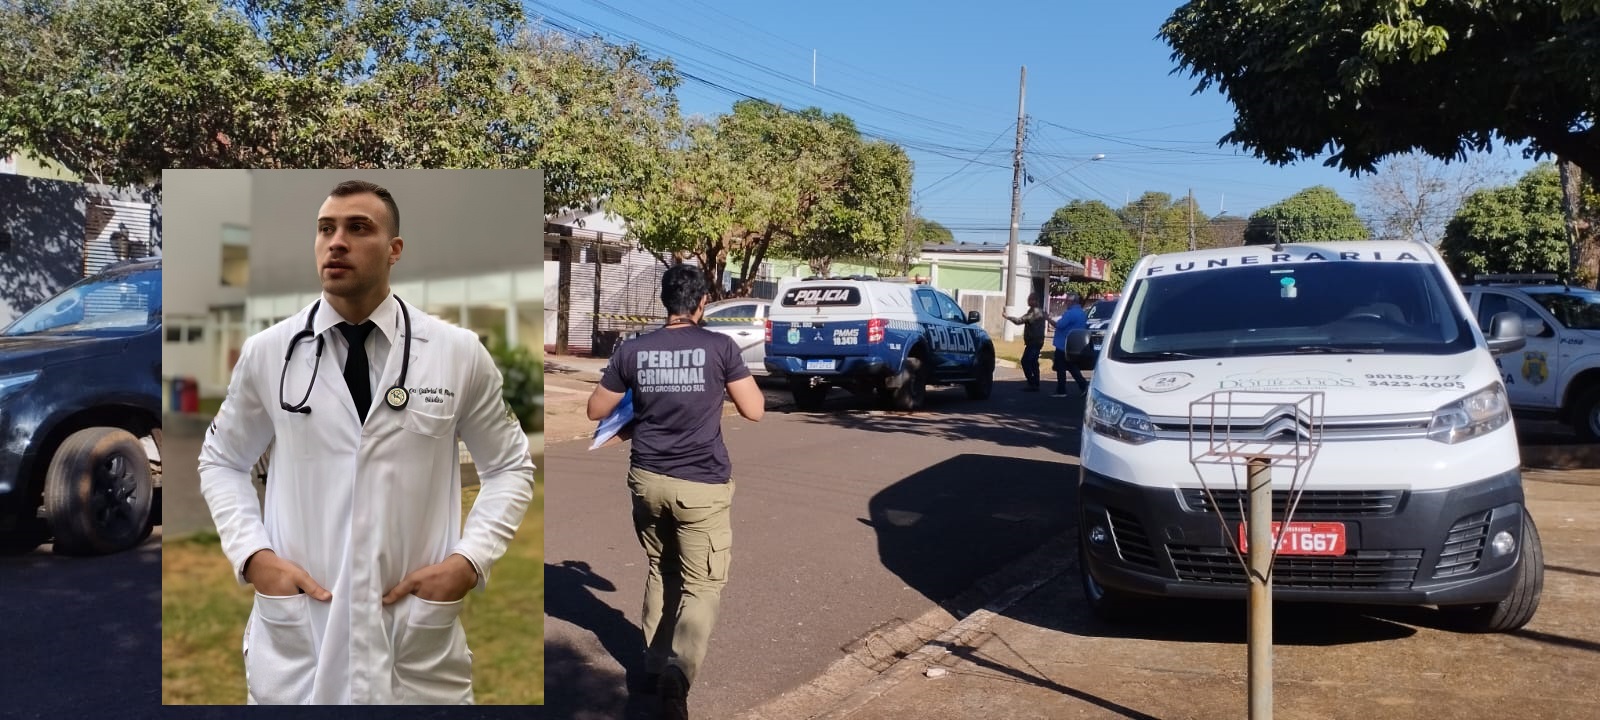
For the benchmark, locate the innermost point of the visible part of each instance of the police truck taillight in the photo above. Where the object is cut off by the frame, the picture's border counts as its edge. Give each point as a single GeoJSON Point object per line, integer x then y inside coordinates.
{"type": "Point", "coordinates": [875, 328]}
{"type": "Point", "coordinates": [769, 330]}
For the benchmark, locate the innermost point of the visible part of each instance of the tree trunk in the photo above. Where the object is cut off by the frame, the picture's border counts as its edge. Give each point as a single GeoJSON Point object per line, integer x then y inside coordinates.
{"type": "Point", "coordinates": [1579, 268]}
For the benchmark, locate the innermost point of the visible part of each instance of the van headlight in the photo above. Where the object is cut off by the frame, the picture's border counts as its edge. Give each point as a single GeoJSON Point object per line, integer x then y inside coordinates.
{"type": "Point", "coordinates": [12, 383]}
{"type": "Point", "coordinates": [1115, 419]}
{"type": "Point", "coordinates": [1482, 412]}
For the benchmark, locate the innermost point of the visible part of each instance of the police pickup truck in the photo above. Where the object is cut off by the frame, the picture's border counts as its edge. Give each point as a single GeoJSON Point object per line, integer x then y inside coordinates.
{"type": "Point", "coordinates": [1557, 373]}
{"type": "Point", "coordinates": [869, 335]}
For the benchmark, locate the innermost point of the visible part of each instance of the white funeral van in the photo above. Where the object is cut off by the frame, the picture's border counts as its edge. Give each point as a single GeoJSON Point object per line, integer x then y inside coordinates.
{"type": "Point", "coordinates": [1414, 496]}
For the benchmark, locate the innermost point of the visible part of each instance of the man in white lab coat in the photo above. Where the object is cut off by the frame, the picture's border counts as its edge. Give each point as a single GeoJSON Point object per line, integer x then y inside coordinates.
{"type": "Point", "coordinates": [360, 560]}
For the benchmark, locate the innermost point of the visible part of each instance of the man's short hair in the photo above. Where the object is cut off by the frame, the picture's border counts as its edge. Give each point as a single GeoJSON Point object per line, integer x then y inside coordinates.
{"type": "Point", "coordinates": [1073, 298]}
{"type": "Point", "coordinates": [682, 287]}
{"type": "Point", "coordinates": [358, 187]}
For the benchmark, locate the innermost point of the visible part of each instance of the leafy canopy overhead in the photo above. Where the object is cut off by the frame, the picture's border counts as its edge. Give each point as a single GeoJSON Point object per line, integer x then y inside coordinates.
{"type": "Point", "coordinates": [1365, 79]}
{"type": "Point", "coordinates": [118, 90]}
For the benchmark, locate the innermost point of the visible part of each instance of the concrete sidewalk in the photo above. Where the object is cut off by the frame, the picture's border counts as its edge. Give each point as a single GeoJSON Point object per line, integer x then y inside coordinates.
{"type": "Point", "coordinates": [1035, 651]}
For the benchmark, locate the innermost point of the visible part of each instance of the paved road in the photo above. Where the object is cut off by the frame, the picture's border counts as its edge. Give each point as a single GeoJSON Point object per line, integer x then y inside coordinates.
{"type": "Point", "coordinates": [81, 637]}
{"type": "Point", "coordinates": [846, 521]}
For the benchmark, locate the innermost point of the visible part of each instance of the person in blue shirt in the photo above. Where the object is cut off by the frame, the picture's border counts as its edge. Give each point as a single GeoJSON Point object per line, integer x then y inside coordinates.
{"type": "Point", "coordinates": [1073, 318]}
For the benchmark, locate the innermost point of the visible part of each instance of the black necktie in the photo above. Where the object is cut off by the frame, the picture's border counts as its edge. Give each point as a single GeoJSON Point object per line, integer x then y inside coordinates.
{"type": "Point", "coordinates": [355, 365]}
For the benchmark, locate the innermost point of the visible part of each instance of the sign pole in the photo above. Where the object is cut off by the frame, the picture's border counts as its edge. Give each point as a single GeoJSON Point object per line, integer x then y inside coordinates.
{"type": "Point", "coordinates": [1260, 552]}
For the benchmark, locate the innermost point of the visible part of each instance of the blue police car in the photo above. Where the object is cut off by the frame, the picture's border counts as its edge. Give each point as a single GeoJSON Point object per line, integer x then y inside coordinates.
{"type": "Point", "coordinates": [869, 335]}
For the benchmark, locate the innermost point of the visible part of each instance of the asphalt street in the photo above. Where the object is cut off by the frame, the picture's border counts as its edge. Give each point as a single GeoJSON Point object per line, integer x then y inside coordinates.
{"type": "Point", "coordinates": [848, 524]}
{"type": "Point", "coordinates": [81, 635]}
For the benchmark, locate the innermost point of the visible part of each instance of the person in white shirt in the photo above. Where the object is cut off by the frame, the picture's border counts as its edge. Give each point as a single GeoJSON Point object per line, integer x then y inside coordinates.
{"type": "Point", "coordinates": [359, 558]}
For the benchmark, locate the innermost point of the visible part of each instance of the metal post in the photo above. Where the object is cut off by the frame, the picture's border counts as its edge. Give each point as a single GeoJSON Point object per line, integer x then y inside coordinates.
{"type": "Point", "coordinates": [1260, 557]}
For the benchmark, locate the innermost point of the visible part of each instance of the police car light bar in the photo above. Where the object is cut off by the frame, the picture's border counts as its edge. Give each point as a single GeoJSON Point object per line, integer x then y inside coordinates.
{"type": "Point", "coordinates": [1517, 278]}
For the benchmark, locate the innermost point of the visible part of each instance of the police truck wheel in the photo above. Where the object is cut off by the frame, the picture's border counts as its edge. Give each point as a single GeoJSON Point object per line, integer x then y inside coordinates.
{"type": "Point", "coordinates": [981, 388]}
{"type": "Point", "coordinates": [97, 492]}
{"type": "Point", "coordinates": [913, 388]}
{"type": "Point", "coordinates": [808, 397]}
{"type": "Point", "coordinates": [1586, 416]}
{"type": "Point", "coordinates": [1518, 607]}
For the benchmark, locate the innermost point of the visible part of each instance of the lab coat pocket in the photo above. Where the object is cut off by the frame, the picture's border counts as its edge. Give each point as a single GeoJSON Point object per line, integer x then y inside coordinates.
{"type": "Point", "coordinates": [280, 658]}
{"type": "Point", "coordinates": [431, 425]}
{"type": "Point", "coordinates": [431, 662]}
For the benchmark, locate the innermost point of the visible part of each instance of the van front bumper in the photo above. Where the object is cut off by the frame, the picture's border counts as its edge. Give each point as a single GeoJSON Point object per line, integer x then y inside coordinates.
{"type": "Point", "coordinates": [1402, 547]}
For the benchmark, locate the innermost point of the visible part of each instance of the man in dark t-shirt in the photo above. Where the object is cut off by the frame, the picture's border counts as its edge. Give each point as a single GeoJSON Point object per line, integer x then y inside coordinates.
{"type": "Point", "coordinates": [680, 476]}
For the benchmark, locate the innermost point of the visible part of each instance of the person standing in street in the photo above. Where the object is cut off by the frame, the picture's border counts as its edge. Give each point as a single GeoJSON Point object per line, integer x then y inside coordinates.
{"type": "Point", "coordinates": [680, 477]}
{"type": "Point", "coordinates": [1073, 318]}
{"type": "Point", "coordinates": [1033, 322]}
{"type": "Point", "coordinates": [360, 559]}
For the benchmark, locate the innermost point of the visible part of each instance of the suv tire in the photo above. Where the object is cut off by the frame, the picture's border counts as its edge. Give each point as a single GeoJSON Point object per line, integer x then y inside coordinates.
{"type": "Point", "coordinates": [1586, 415]}
{"type": "Point", "coordinates": [98, 492]}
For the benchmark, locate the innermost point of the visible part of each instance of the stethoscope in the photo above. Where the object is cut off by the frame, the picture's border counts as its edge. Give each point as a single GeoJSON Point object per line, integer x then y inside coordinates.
{"type": "Point", "coordinates": [396, 397]}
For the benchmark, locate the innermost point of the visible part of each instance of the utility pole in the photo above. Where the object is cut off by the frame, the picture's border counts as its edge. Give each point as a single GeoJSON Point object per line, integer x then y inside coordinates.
{"type": "Point", "coordinates": [1191, 218]}
{"type": "Point", "coordinates": [1013, 304]}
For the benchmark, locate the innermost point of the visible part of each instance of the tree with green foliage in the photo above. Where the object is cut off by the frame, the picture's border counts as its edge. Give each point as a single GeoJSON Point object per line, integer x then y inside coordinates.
{"type": "Point", "coordinates": [1315, 214]}
{"type": "Point", "coordinates": [764, 182]}
{"type": "Point", "coordinates": [1159, 223]}
{"type": "Point", "coordinates": [1361, 81]}
{"type": "Point", "coordinates": [1517, 228]}
{"type": "Point", "coordinates": [117, 90]}
{"type": "Point", "coordinates": [930, 232]}
{"type": "Point", "coordinates": [1090, 228]}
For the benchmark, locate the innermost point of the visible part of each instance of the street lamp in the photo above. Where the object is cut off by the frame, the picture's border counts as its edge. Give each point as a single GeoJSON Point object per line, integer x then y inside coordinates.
{"type": "Point", "coordinates": [1015, 301]}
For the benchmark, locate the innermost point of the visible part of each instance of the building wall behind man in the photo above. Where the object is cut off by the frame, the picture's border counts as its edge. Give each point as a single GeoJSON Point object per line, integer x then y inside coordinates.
{"type": "Point", "coordinates": [41, 241]}
{"type": "Point", "coordinates": [453, 223]}
{"type": "Point", "coordinates": [198, 205]}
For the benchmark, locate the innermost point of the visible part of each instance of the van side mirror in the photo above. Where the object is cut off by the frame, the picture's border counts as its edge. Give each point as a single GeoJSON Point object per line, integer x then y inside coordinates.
{"type": "Point", "coordinates": [973, 317]}
{"type": "Point", "coordinates": [1077, 340]}
{"type": "Point", "coordinates": [1506, 333]}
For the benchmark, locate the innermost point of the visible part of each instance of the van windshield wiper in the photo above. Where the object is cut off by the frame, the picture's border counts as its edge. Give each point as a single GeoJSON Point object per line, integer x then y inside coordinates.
{"type": "Point", "coordinates": [1333, 349]}
{"type": "Point", "coordinates": [1161, 355]}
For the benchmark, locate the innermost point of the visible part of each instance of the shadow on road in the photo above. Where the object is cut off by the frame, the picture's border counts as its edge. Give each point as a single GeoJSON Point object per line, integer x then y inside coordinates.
{"type": "Point", "coordinates": [583, 690]}
{"type": "Point", "coordinates": [1009, 417]}
{"type": "Point", "coordinates": [82, 634]}
{"type": "Point", "coordinates": [945, 527]}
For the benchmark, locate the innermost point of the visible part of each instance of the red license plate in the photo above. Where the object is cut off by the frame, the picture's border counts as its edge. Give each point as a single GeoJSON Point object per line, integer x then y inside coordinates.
{"type": "Point", "coordinates": [1303, 538]}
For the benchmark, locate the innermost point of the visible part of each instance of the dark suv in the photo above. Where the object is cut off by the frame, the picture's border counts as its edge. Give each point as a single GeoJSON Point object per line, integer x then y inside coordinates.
{"type": "Point", "coordinates": [80, 401]}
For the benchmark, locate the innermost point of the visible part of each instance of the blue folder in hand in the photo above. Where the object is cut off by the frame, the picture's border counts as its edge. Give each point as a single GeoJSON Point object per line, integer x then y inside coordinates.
{"type": "Point", "coordinates": [619, 419]}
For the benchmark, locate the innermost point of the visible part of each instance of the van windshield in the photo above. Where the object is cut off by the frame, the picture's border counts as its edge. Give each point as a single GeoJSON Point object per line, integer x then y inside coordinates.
{"type": "Point", "coordinates": [1283, 309]}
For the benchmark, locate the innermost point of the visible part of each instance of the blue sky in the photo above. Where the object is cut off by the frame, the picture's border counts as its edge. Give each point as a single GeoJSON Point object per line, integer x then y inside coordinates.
{"type": "Point", "coordinates": [941, 78]}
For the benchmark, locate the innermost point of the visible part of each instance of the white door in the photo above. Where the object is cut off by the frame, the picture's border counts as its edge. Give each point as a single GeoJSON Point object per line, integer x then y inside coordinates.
{"type": "Point", "coordinates": [1530, 373]}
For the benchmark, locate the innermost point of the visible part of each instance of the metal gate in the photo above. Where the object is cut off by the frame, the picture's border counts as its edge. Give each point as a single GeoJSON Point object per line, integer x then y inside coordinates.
{"type": "Point", "coordinates": [115, 230]}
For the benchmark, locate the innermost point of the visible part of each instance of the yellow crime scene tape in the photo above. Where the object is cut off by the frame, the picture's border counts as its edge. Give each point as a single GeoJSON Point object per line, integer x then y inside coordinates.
{"type": "Point", "coordinates": [651, 319]}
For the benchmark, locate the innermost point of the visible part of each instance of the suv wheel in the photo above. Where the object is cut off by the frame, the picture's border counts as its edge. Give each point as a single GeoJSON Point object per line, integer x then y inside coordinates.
{"type": "Point", "coordinates": [1586, 415]}
{"type": "Point", "coordinates": [1518, 607]}
{"type": "Point", "coordinates": [808, 397]}
{"type": "Point", "coordinates": [98, 492]}
{"type": "Point", "coordinates": [913, 386]}
{"type": "Point", "coordinates": [981, 388]}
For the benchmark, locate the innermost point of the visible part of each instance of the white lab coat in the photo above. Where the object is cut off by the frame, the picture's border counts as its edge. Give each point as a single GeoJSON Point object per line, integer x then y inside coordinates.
{"type": "Point", "coordinates": [360, 506]}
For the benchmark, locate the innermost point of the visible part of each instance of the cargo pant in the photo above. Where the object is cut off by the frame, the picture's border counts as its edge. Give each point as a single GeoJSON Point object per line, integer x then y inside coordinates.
{"type": "Point", "coordinates": [685, 529]}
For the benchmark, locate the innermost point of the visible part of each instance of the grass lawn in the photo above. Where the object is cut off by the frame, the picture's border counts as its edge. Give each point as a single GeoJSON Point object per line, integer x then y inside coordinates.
{"type": "Point", "coordinates": [203, 613]}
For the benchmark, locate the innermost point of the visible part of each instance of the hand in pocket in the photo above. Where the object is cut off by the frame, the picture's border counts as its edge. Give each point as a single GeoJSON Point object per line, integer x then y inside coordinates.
{"type": "Point", "coordinates": [447, 581]}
